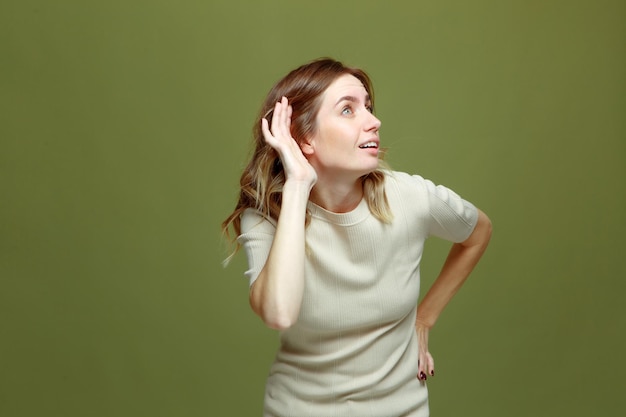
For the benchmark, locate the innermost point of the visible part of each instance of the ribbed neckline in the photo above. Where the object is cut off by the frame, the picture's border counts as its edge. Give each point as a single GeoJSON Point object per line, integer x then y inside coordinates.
{"type": "Point", "coordinates": [360, 213]}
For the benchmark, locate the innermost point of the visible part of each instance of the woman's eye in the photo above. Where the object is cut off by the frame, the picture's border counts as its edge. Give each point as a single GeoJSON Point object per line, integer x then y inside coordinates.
{"type": "Point", "coordinates": [370, 109]}
{"type": "Point", "coordinates": [346, 110]}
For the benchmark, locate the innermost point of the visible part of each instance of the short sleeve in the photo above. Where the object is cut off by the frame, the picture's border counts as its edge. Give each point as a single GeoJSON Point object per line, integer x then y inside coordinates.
{"type": "Point", "coordinates": [257, 235]}
{"type": "Point", "coordinates": [452, 218]}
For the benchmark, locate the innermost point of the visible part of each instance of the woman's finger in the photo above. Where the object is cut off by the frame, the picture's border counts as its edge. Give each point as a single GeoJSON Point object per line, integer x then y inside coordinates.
{"type": "Point", "coordinates": [288, 121]}
{"type": "Point", "coordinates": [427, 364]}
{"type": "Point", "coordinates": [283, 115]}
{"type": "Point", "coordinates": [422, 372]}
{"type": "Point", "coordinates": [431, 364]}
{"type": "Point", "coordinates": [276, 117]}
{"type": "Point", "coordinates": [269, 138]}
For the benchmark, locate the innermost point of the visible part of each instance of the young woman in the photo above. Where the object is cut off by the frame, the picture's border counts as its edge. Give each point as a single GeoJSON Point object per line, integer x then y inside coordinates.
{"type": "Point", "coordinates": [334, 243]}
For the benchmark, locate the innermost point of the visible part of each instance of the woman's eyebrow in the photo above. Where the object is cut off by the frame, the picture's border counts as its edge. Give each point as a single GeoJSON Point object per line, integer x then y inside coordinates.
{"type": "Point", "coordinates": [352, 99]}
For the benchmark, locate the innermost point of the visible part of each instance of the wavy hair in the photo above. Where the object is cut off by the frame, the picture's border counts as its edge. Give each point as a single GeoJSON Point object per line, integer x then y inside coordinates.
{"type": "Point", "coordinates": [263, 178]}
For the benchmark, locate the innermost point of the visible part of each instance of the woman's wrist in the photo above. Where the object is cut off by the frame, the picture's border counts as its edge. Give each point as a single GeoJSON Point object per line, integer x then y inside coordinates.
{"type": "Point", "coordinates": [422, 321]}
{"type": "Point", "coordinates": [298, 186]}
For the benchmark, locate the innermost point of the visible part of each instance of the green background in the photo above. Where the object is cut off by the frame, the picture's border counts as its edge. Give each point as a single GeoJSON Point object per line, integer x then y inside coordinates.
{"type": "Point", "coordinates": [124, 126]}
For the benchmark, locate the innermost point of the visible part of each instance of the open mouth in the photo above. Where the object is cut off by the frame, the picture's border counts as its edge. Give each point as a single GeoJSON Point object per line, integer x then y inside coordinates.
{"type": "Point", "coordinates": [367, 145]}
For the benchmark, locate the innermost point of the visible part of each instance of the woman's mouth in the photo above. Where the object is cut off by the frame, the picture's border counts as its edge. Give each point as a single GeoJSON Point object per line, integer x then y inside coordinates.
{"type": "Point", "coordinates": [371, 144]}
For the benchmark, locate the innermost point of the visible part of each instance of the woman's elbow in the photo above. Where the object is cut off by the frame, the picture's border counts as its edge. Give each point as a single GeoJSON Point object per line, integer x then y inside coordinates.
{"type": "Point", "coordinates": [482, 232]}
{"type": "Point", "coordinates": [485, 229]}
{"type": "Point", "coordinates": [487, 226]}
{"type": "Point", "coordinates": [274, 318]}
{"type": "Point", "coordinates": [276, 321]}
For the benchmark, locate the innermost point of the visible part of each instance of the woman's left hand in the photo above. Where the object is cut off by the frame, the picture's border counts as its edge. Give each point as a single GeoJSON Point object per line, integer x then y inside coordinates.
{"type": "Point", "coordinates": [426, 364]}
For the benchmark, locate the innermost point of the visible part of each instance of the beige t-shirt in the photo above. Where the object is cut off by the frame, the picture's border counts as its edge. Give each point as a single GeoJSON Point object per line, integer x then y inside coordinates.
{"type": "Point", "coordinates": [353, 350]}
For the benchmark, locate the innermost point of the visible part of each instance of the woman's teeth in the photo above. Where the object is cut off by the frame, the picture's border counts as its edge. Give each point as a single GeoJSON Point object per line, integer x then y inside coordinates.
{"type": "Point", "coordinates": [369, 145]}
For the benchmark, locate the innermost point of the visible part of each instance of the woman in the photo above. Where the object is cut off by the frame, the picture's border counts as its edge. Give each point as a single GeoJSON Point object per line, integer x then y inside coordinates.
{"type": "Point", "coordinates": [334, 243]}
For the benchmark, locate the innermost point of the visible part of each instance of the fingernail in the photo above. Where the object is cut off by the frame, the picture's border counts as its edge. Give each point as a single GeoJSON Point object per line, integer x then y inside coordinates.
{"type": "Point", "coordinates": [432, 373]}
{"type": "Point", "coordinates": [422, 376]}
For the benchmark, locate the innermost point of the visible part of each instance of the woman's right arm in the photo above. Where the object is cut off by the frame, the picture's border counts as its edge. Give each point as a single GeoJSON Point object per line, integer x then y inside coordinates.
{"type": "Point", "coordinates": [276, 294]}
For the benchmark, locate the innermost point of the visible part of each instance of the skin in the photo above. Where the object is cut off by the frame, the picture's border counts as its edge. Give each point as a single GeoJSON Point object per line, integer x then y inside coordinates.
{"type": "Point", "coordinates": [326, 169]}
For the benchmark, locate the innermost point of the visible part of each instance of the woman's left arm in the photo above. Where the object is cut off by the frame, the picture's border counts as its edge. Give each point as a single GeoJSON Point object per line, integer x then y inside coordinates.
{"type": "Point", "coordinates": [460, 262]}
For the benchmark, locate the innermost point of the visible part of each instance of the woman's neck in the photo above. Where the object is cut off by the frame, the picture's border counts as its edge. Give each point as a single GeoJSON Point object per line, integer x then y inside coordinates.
{"type": "Point", "coordinates": [337, 197]}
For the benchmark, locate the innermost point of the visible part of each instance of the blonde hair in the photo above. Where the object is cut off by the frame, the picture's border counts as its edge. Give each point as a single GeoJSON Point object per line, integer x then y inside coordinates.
{"type": "Point", "coordinates": [263, 178]}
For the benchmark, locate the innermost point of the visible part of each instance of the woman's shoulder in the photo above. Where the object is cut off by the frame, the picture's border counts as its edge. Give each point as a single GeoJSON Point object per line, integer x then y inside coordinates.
{"type": "Point", "coordinates": [404, 179]}
{"type": "Point", "coordinates": [254, 220]}
{"type": "Point", "coordinates": [414, 181]}
{"type": "Point", "coordinates": [415, 186]}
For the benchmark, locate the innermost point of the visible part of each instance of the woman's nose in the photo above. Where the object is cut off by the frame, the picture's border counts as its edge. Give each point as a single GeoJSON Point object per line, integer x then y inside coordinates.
{"type": "Point", "coordinates": [373, 123]}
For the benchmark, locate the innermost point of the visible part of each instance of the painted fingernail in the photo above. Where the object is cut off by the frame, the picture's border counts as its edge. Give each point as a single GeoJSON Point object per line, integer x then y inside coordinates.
{"type": "Point", "coordinates": [422, 376]}
{"type": "Point", "coordinates": [432, 373]}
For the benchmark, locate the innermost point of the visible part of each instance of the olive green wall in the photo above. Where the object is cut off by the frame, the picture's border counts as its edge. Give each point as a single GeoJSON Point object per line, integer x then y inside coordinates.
{"type": "Point", "coordinates": [124, 126]}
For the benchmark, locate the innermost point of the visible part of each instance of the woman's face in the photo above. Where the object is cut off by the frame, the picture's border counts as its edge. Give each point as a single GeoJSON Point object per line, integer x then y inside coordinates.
{"type": "Point", "coordinates": [346, 140]}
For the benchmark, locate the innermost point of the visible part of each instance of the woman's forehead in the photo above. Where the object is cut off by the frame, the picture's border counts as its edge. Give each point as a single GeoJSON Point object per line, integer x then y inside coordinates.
{"type": "Point", "coordinates": [346, 85]}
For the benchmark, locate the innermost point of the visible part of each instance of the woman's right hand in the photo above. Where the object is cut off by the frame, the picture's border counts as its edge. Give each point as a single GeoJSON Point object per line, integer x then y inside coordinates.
{"type": "Point", "coordinates": [296, 166]}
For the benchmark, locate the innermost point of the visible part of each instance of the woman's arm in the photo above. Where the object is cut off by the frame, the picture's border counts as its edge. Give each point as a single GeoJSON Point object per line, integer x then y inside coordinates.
{"type": "Point", "coordinates": [276, 294]}
{"type": "Point", "coordinates": [461, 260]}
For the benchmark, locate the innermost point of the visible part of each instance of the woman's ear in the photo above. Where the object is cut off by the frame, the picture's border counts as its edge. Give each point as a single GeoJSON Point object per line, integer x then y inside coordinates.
{"type": "Point", "coordinates": [307, 147]}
